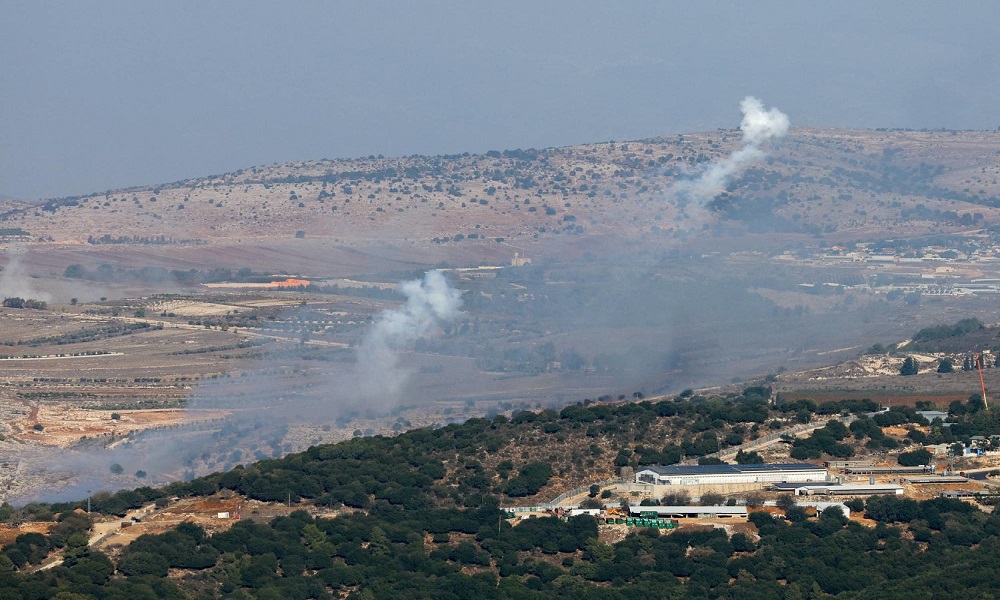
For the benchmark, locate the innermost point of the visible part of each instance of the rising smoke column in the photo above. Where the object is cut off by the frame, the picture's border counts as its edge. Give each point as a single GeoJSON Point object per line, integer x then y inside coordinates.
{"type": "Point", "coordinates": [429, 302]}
{"type": "Point", "coordinates": [379, 385]}
{"type": "Point", "coordinates": [758, 126]}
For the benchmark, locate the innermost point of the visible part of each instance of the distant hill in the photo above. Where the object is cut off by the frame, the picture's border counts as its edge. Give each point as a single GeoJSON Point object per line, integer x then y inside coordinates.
{"type": "Point", "coordinates": [845, 184]}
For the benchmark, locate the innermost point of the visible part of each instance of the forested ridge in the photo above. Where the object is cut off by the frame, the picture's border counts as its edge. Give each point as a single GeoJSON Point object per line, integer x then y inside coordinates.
{"type": "Point", "coordinates": [425, 521]}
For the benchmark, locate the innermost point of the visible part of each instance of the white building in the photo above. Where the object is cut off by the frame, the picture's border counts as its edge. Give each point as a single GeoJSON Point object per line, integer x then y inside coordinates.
{"type": "Point", "coordinates": [731, 474]}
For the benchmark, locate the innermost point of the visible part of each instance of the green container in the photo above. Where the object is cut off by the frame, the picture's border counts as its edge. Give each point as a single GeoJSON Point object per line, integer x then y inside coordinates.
{"type": "Point", "coordinates": [619, 521]}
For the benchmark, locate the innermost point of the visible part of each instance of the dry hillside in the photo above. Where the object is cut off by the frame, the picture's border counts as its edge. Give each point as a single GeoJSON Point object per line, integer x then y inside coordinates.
{"type": "Point", "coordinates": [853, 183]}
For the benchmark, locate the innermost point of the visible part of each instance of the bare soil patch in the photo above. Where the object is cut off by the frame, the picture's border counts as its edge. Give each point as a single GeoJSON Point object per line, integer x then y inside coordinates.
{"type": "Point", "coordinates": [65, 426]}
{"type": "Point", "coordinates": [9, 533]}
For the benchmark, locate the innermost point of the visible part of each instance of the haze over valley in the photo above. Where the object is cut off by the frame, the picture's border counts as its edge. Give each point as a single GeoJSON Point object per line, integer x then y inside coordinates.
{"type": "Point", "coordinates": [582, 272]}
{"type": "Point", "coordinates": [582, 300]}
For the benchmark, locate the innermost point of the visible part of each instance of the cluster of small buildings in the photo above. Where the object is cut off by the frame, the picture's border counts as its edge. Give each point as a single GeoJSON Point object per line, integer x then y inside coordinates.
{"type": "Point", "coordinates": [800, 479]}
{"type": "Point", "coordinates": [933, 270]}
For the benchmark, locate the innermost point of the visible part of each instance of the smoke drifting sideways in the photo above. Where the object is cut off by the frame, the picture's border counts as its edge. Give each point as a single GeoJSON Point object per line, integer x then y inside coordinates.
{"type": "Point", "coordinates": [429, 302]}
{"type": "Point", "coordinates": [759, 125]}
{"type": "Point", "coordinates": [263, 408]}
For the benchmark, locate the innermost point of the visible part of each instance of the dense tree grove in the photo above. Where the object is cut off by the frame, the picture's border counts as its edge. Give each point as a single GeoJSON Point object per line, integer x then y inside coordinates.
{"type": "Point", "coordinates": [938, 332]}
{"type": "Point", "coordinates": [423, 520]}
{"type": "Point", "coordinates": [925, 549]}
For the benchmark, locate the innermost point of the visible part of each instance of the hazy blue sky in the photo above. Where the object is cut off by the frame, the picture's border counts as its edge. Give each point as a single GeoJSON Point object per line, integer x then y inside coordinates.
{"type": "Point", "coordinates": [97, 95]}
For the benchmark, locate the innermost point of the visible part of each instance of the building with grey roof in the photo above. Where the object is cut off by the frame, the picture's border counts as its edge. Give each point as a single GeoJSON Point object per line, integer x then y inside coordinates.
{"type": "Point", "coordinates": [730, 474]}
{"type": "Point", "coordinates": [690, 512]}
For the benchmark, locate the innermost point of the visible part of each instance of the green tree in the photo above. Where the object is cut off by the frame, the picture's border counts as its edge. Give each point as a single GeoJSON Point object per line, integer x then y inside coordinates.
{"type": "Point", "coordinates": [785, 501]}
{"type": "Point", "coordinates": [572, 361]}
{"type": "Point", "coordinates": [143, 563]}
{"type": "Point", "coordinates": [711, 499]}
{"type": "Point", "coordinates": [681, 498]}
{"type": "Point", "coordinates": [915, 458]}
{"type": "Point", "coordinates": [945, 366]}
{"type": "Point", "coordinates": [795, 514]}
{"type": "Point", "coordinates": [379, 544]}
{"type": "Point", "coordinates": [910, 367]}
{"type": "Point", "coordinates": [530, 480]}
{"type": "Point", "coordinates": [749, 458]}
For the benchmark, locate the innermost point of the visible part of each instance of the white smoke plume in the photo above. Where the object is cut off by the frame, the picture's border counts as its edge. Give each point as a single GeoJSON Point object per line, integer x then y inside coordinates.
{"type": "Point", "coordinates": [429, 302]}
{"type": "Point", "coordinates": [758, 126]}
{"type": "Point", "coordinates": [15, 281]}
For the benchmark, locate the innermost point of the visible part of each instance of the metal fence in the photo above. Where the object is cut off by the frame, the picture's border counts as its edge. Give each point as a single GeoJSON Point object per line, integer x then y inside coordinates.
{"type": "Point", "coordinates": [583, 488]}
{"type": "Point", "coordinates": [729, 453]}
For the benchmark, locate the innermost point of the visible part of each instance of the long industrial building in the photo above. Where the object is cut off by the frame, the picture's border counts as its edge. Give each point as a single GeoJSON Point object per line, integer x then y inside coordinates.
{"type": "Point", "coordinates": [730, 474]}
{"type": "Point", "coordinates": [896, 470]}
{"type": "Point", "coordinates": [838, 489]}
{"type": "Point", "coordinates": [691, 512]}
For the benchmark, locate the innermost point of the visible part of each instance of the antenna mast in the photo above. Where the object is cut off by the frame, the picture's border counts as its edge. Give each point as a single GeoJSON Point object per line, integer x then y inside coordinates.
{"type": "Point", "coordinates": [982, 382]}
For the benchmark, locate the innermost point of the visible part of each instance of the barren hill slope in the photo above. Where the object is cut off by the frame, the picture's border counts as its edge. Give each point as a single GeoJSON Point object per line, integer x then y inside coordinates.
{"type": "Point", "coordinates": [851, 184]}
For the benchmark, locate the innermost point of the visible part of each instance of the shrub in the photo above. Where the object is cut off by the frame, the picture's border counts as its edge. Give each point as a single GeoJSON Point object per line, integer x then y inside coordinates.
{"type": "Point", "coordinates": [915, 458]}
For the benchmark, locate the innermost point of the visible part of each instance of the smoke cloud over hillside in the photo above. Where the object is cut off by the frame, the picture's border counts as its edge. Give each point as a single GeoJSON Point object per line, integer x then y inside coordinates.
{"type": "Point", "coordinates": [429, 302]}
{"type": "Point", "coordinates": [759, 125]}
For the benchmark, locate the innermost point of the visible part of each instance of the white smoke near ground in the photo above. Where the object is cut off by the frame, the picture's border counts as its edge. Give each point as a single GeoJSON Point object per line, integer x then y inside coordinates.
{"type": "Point", "coordinates": [429, 302]}
{"type": "Point", "coordinates": [15, 281]}
{"type": "Point", "coordinates": [262, 408]}
{"type": "Point", "coordinates": [759, 125]}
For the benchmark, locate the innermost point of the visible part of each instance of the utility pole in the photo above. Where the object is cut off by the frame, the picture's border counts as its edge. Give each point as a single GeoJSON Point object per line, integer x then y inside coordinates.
{"type": "Point", "coordinates": [982, 382]}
